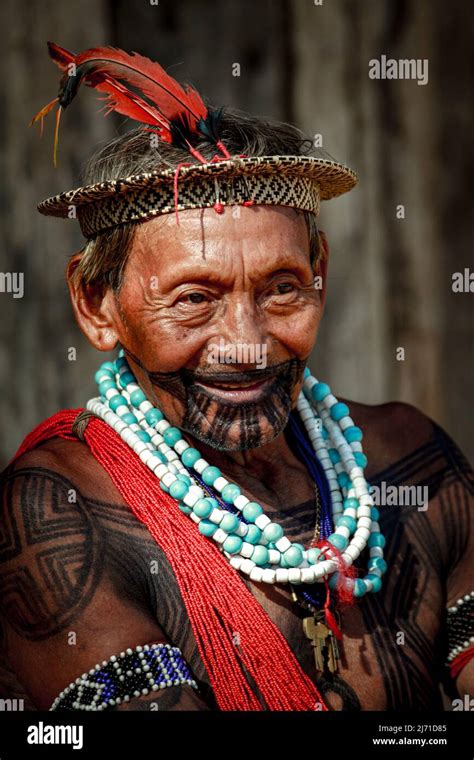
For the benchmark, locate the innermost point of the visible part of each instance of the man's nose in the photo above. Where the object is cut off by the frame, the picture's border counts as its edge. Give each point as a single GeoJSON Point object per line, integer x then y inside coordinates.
{"type": "Point", "coordinates": [242, 322]}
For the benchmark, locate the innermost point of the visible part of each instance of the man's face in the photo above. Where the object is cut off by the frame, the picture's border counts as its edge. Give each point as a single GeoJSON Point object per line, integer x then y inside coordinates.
{"type": "Point", "coordinates": [217, 317]}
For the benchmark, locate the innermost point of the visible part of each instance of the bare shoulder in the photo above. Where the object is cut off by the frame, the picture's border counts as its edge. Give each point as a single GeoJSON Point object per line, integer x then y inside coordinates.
{"type": "Point", "coordinates": [430, 479]}
{"type": "Point", "coordinates": [71, 461]}
{"type": "Point", "coordinates": [66, 552]}
{"type": "Point", "coordinates": [391, 431]}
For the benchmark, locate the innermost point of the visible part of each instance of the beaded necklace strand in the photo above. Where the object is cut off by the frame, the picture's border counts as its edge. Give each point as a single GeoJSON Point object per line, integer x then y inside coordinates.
{"type": "Point", "coordinates": [252, 543]}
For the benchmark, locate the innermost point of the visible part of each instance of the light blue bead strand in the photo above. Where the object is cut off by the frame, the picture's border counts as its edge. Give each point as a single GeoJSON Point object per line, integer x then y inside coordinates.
{"type": "Point", "coordinates": [203, 508]}
{"type": "Point", "coordinates": [254, 534]}
{"type": "Point", "coordinates": [210, 475]}
{"type": "Point", "coordinates": [137, 397]}
{"type": "Point", "coordinates": [293, 556]}
{"type": "Point", "coordinates": [207, 528]}
{"type": "Point", "coordinates": [172, 435]}
{"type": "Point", "coordinates": [190, 456]}
{"type": "Point", "coordinates": [153, 416]}
{"type": "Point", "coordinates": [178, 489]}
{"type": "Point", "coordinates": [347, 522]}
{"type": "Point", "coordinates": [230, 493]}
{"type": "Point", "coordinates": [353, 434]}
{"type": "Point", "coordinates": [319, 391]}
{"type": "Point", "coordinates": [340, 542]}
{"type": "Point", "coordinates": [229, 523]}
{"type": "Point", "coordinates": [232, 544]}
{"type": "Point", "coordinates": [360, 589]}
{"type": "Point", "coordinates": [338, 411]}
{"type": "Point", "coordinates": [376, 539]}
{"type": "Point", "coordinates": [260, 555]}
{"type": "Point", "coordinates": [252, 511]}
{"type": "Point", "coordinates": [376, 582]}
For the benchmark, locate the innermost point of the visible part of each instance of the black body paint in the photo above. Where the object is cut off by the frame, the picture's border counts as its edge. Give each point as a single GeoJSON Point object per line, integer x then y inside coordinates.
{"type": "Point", "coordinates": [210, 420]}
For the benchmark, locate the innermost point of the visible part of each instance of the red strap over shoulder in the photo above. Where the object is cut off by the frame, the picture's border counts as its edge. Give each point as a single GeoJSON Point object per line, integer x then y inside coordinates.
{"type": "Point", "coordinates": [59, 425]}
{"type": "Point", "coordinates": [249, 662]}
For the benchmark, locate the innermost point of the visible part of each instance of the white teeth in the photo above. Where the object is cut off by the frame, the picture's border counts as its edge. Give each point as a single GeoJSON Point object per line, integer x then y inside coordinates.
{"type": "Point", "coordinates": [228, 387]}
{"type": "Point", "coordinates": [241, 386]}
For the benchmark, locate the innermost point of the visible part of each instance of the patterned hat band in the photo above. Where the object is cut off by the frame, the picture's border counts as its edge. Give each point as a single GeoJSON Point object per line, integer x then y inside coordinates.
{"type": "Point", "coordinates": [147, 202]}
{"type": "Point", "coordinates": [300, 182]}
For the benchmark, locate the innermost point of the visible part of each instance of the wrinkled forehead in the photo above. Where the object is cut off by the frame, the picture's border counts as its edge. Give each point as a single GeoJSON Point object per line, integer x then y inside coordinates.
{"type": "Point", "coordinates": [205, 234]}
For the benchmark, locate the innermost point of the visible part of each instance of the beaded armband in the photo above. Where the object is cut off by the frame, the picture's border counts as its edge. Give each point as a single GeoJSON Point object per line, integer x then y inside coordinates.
{"type": "Point", "coordinates": [460, 627]}
{"type": "Point", "coordinates": [133, 673]}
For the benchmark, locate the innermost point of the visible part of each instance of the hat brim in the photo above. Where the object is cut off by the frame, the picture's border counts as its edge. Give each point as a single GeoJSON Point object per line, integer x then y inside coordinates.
{"type": "Point", "coordinates": [333, 179]}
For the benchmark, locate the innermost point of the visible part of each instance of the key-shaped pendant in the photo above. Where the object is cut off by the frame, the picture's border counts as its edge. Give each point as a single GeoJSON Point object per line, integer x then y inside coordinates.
{"type": "Point", "coordinates": [326, 652]}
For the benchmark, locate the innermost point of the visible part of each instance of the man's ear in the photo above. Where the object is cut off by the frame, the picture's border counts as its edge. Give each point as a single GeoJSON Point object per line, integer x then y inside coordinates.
{"type": "Point", "coordinates": [320, 268]}
{"type": "Point", "coordinates": [94, 309]}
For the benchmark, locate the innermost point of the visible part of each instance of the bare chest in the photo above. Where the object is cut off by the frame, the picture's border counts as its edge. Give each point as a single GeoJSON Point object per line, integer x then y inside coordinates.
{"type": "Point", "coordinates": [389, 657]}
{"type": "Point", "coordinates": [391, 652]}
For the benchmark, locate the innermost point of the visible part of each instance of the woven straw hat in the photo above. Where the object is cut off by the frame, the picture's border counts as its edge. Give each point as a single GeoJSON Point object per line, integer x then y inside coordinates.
{"type": "Point", "coordinates": [142, 90]}
{"type": "Point", "coordinates": [297, 181]}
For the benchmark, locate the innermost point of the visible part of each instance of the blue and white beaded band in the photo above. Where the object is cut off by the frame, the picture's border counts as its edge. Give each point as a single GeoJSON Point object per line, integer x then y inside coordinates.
{"type": "Point", "coordinates": [133, 673]}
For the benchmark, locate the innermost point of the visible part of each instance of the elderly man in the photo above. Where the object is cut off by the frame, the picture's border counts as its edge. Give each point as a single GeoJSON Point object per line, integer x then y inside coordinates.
{"type": "Point", "coordinates": [209, 534]}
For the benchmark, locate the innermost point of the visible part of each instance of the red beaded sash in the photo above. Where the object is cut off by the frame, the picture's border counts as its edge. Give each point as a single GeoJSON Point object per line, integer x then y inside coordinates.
{"type": "Point", "coordinates": [220, 607]}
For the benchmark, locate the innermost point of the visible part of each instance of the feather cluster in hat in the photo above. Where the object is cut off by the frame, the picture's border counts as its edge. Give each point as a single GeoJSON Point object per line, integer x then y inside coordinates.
{"type": "Point", "coordinates": [140, 89]}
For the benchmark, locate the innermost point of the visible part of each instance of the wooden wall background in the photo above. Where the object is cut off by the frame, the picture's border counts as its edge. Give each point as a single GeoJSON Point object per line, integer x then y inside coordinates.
{"type": "Point", "coordinates": [390, 279]}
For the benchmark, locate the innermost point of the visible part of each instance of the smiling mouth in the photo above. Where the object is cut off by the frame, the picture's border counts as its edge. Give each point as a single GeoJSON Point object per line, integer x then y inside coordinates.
{"type": "Point", "coordinates": [243, 392]}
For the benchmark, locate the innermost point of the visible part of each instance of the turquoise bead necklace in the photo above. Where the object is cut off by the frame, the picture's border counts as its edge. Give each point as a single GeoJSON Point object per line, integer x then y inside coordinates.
{"type": "Point", "coordinates": [252, 543]}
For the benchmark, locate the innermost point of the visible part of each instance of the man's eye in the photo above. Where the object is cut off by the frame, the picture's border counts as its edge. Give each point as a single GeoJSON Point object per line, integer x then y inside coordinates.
{"type": "Point", "coordinates": [284, 287]}
{"type": "Point", "coordinates": [194, 298]}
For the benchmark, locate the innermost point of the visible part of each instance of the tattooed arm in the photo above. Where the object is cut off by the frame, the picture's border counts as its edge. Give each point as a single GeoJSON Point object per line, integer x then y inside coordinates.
{"type": "Point", "coordinates": [61, 612]}
{"type": "Point", "coordinates": [10, 689]}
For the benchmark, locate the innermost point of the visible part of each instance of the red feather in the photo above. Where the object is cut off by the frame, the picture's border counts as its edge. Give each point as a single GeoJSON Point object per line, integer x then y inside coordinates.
{"type": "Point", "coordinates": [60, 56]}
{"type": "Point", "coordinates": [120, 99]}
{"type": "Point", "coordinates": [149, 78]}
{"type": "Point", "coordinates": [137, 88]}
{"type": "Point", "coordinates": [127, 103]}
